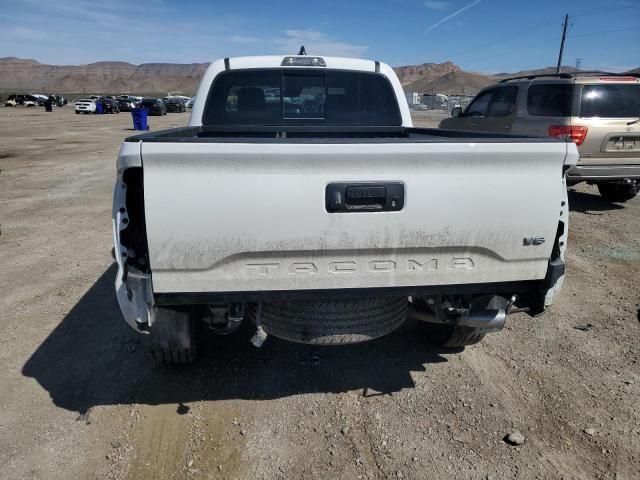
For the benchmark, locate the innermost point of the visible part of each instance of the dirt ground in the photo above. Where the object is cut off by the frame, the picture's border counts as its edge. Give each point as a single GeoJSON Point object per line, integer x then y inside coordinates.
{"type": "Point", "coordinates": [80, 397]}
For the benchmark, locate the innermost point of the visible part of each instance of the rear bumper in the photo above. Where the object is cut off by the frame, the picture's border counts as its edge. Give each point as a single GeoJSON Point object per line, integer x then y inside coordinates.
{"type": "Point", "coordinates": [204, 298]}
{"type": "Point", "coordinates": [581, 173]}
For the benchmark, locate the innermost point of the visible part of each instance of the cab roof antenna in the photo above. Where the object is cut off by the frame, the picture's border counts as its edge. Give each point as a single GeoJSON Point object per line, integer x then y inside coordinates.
{"type": "Point", "coordinates": [302, 50]}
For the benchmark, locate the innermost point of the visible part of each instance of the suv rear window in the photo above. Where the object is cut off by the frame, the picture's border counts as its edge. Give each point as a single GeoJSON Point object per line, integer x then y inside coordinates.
{"type": "Point", "coordinates": [550, 100]}
{"type": "Point", "coordinates": [301, 97]}
{"type": "Point", "coordinates": [610, 101]}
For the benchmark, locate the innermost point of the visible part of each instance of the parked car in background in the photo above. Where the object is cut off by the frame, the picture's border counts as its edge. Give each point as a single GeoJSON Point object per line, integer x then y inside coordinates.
{"type": "Point", "coordinates": [85, 105]}
{"type": "Point", "coordinates": [59, 100]}
{"type": "Point", "coordinates": [110, 105]}
{"type": "Point", "coordinates": [25, 100]}
{"type": "Point", "coordinates": [175, 104]}
{"type": "Point", "coordinates": [126, 105]}
{"type": "Point", "coordinates": [129, 98]}
{"type": "Point", "coordinates": [41, 98]}
{"type": "Point", "coordinates": [155, 106]}
{"type": "Point", "coordinates": [191, 101]}
{"type": "Point", "coordinates": [171, 96]}
{"type": "Point", "coordinates": [600, 112]}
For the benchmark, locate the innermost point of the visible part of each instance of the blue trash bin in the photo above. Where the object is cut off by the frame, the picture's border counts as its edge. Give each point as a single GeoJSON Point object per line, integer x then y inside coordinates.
{"type": "Point", "coordinates": [139, 116]}
{"type": "Point", "coordinates": [99, 107]}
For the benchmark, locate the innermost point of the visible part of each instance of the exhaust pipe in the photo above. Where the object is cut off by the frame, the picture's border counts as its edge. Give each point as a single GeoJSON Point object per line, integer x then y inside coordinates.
{"type": "Point", "coordinates": [488, 320]}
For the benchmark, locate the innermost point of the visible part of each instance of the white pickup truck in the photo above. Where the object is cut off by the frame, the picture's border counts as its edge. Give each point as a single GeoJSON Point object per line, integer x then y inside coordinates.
{"type": "Point", "coordinates": [302, 198]}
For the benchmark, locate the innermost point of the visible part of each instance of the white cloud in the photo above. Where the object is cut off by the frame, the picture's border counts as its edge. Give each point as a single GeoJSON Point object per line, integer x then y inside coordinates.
{"type": "Point", "coordinates": [453, 15]}
{"type": "Point", "coordinates": [435, 5]}
{"type": "Point", "coordinates": [317, 43]}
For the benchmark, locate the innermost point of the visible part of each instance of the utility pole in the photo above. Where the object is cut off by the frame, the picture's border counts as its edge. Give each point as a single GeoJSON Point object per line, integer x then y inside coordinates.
{"type": "Point", "coordinates": [564, 35]}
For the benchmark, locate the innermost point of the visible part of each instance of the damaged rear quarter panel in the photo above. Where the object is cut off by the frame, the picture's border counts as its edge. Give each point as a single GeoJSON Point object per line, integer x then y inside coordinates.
{"type": "Point", "coordinates": [133, 288]}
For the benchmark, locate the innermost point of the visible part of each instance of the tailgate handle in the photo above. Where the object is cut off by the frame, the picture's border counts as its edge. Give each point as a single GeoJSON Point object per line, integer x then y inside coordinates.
{"type": "Point", "coordinates": [364, 197]}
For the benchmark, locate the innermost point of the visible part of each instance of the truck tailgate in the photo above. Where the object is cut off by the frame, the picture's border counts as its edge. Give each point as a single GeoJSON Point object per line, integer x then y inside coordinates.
{"type": "Point", "coordinates": [230, 217]}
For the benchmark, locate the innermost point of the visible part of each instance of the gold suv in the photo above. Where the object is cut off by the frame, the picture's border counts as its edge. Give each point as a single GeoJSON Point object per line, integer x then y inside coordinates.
{"type": "Point", "coordinates": [599, 111]}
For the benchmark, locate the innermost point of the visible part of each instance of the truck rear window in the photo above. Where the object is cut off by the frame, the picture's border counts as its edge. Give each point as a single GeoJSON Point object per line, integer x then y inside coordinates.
{"type": "Point", "coordinates": [301, 97]}
{"type": "Point", "coordinates": [610, 101]}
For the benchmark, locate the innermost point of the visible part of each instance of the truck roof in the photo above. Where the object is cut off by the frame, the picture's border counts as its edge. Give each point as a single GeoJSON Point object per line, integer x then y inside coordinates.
{"type": "Point", "coordinates": [276, 61]}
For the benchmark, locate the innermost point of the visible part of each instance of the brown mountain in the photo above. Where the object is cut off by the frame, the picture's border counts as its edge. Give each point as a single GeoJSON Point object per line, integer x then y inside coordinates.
{"type": "Point", "coordinates": [29, 75]}
{"type": "Point", "coordinates": [459, 82]}
{"type": "Point", "coordinates": [428, 71]}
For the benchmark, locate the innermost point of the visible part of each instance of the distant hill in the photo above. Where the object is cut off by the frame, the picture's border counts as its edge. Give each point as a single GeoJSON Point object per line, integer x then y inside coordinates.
{"type": "Point", "coordinates": [101, 77]}
{"type": "Point", "coordinates": [25, 75]}
{"type": "Point", "coordinates": [455, 82]}
{"type": "Point", "coordinates": [425, 71]}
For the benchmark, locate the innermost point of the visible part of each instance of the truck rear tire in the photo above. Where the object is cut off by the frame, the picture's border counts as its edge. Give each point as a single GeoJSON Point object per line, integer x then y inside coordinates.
{"type": "Point", "coordinates": [452, 336]}
{"type": "Point", "coordinates": [174, 336]}
{"type": "Point", "coordinates": [332, 322]}
{"type": "Point", "coordinates": [618, 191]}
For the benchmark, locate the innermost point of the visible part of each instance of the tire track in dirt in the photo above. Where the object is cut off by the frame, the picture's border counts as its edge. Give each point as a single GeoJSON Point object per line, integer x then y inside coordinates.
{"type": "Point", "coordinates": [186, 441]}
{"type": "Point", "coordinates": [159, 442]}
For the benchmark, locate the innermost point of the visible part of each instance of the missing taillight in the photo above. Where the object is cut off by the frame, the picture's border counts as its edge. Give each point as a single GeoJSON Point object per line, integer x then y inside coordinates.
{"type": "Point", "coordinates": [134, 237]}
{"type": "Point", "coordinates": [576, 134]}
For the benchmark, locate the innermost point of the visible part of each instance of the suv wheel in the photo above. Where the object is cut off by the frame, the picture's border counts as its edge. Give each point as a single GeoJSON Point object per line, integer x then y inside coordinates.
{"type": "Point", "coordinates": [174, 336]}
{"type": "Point", "coordinates": [619, 191]}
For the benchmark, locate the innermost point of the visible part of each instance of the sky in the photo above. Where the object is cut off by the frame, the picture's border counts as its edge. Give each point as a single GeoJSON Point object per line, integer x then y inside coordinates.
{"type": "Point", "coordinates": [487, 36]}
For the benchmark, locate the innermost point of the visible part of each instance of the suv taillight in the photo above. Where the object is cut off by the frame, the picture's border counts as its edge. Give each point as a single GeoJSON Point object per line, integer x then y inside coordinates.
{"type": "Point", "coordinates": [575, 134]}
